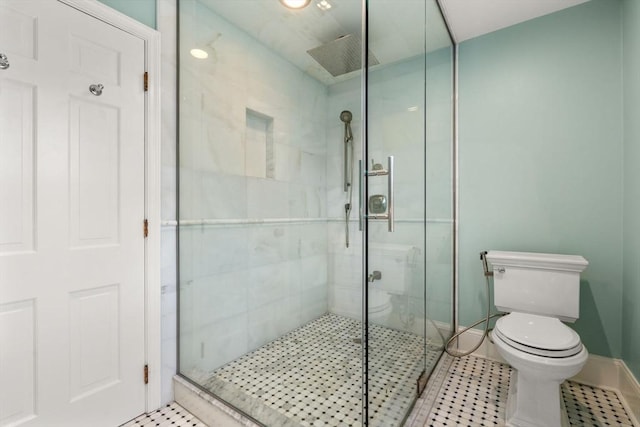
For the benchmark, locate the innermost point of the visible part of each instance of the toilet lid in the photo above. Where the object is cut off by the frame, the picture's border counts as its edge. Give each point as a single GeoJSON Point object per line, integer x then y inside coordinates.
{"type": "Point", "coordinates": [540, 335]}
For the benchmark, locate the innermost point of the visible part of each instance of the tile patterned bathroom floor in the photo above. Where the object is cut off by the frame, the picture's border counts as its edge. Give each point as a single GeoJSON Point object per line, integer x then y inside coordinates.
{"type": "Point", "coordinates": [473, 394]}
{"type": "Point", "coordinates": [172, 415]}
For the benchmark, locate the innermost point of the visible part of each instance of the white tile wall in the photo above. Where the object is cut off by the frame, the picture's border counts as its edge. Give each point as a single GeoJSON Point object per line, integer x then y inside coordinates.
{"type": "Point", "coordinates": [247, 284]}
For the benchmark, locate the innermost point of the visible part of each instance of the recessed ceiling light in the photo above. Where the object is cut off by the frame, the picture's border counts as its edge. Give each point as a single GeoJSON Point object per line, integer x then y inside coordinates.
{"type": "Point", "coordinates": [295, 4]}
{"type": "Point", "coordinates": [199, 53]}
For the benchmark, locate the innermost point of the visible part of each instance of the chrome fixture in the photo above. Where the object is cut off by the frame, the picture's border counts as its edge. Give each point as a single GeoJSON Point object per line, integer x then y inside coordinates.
{"type": "Point", "coordinates": [348, 161]}
{"type": "Point", "coordinates": [378, 170]}
{"type": "Point", "coordinates": [378, 204]}
{"type": "Point", "coordinates": [346, 117]}
{"type": "Point", "coordinates": [342, 55]}
{"type": "Point", "coordinates": [376, 275]}
{"type": "Point", "coordinates": [96, 89]}
{"type": "Point", "coordinates": [4, 61]}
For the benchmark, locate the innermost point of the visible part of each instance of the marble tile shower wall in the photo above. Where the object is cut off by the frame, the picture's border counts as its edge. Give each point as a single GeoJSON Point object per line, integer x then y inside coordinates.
{"type": "Point", "coordinates": [253, 233]}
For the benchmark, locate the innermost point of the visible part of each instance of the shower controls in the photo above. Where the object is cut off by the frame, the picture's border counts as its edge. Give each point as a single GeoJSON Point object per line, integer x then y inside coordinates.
{"type": "Point", "coordinates": [376, 275]}
{"type": "Point", "coordinates": [4, 61]}
{"type": "Point", "coordinates": [378, 204]}
{"type": "Point", "coordinates": [96, 89]}
{"type": "Point", "coordinates": [374, 214]}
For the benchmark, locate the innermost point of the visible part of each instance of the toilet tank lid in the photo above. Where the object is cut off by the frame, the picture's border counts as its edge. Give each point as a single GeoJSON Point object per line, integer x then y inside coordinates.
{"type": "Point", "coordinates": [575, 263]}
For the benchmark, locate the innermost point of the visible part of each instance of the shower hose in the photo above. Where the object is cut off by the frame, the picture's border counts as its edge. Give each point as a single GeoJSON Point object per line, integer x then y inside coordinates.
{"type": "Point", "coordinates": [484, 320]}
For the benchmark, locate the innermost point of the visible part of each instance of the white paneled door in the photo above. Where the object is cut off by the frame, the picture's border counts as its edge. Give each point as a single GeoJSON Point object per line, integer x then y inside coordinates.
{"type": "Point", "coordinates": [72, 348]}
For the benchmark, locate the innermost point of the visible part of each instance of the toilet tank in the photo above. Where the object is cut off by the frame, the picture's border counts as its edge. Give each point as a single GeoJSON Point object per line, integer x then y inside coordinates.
{"type": "Point", "coordinates": [545, 284]}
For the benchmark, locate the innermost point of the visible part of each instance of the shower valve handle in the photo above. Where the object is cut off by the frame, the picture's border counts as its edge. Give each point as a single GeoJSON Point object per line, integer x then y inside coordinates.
{"type": "Point", "coordinates": [376, 275]}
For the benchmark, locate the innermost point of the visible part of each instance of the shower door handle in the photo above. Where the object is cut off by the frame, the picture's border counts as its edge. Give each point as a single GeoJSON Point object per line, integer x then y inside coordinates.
{"type": "Point", "coordinates": [360, 196]}
{"type": "Point", "coordinates": [390, 215]}
{"type": "Point", "coordinates": [391, 197]}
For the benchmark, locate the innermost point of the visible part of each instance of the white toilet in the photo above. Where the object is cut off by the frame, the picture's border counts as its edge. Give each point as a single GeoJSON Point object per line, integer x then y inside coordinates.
{"type": "Point", "coordinates": [539, 291]}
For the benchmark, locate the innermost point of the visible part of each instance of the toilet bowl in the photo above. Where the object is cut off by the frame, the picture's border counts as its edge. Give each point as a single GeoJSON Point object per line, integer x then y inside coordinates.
{"type": "Point", "coordinates": [543, 352]}
{"type": "Point", "coordinates": [538, 290]}
{"type": "Point", "coordinates": [396, 264]}
{"type": "Point", "coordinates": [349, 304]}
{"type": "Point", "coordinates": [380, 307]}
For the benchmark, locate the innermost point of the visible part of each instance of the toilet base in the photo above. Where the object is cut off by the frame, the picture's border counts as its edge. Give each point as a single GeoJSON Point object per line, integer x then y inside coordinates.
{"type": "Point", "coordinates": [532, 403]}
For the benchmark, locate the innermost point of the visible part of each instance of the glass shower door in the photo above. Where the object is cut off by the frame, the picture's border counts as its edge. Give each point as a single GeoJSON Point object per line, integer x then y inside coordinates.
{"type": "Point", "coordinates": [285, 297]}
{"type": "Point", "coordinates": [407, 204]}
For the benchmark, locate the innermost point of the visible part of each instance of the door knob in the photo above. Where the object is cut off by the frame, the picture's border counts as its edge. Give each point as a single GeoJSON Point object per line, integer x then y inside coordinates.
{"type": "Point", "coordinates": [4, 61]}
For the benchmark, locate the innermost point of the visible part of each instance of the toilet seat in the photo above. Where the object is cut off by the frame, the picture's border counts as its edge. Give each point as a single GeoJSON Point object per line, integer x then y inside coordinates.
{"type": "Point", "coordinates": [538, 335]}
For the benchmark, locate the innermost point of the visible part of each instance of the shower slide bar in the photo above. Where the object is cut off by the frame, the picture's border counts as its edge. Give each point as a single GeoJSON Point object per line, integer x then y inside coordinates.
{"type": "Point", "coordinates": [389, 216]}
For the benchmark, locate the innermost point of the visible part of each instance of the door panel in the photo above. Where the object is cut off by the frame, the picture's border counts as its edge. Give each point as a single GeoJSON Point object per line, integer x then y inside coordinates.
{"type": "Point", "coordinates": [94, 160]}
{"type": "Point", "coordinates": [18, 32]}
{"type": "Point", "coordinates": [93, 340]}
{"type": "Point", "coordinates": [396, 241]}
{"type": "Point", "coordinates": [17, 102]}
{"type": "Point", "coordinates": [71, 215]}
{"type": "Point", "coordinates": [409, 116]}
{"type": "Point", "coordinates": [17, 361]}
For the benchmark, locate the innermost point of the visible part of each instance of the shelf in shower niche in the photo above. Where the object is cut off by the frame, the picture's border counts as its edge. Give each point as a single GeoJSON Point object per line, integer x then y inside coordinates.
{"type": "Point", "coordinates": [259, 158]}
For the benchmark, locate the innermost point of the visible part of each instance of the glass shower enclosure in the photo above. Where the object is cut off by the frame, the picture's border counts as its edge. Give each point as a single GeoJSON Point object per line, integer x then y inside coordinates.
{"type": "Point", "coordinates": [316, 219]}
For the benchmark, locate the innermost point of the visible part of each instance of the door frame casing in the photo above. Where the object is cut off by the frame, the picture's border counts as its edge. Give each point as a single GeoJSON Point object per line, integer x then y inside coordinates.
{"type": "Point", "coordinates": [152, 203]}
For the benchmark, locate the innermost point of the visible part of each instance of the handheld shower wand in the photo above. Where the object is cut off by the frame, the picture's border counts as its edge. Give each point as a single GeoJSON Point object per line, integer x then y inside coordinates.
{"type": "Point", "coordinates": [346, 118]}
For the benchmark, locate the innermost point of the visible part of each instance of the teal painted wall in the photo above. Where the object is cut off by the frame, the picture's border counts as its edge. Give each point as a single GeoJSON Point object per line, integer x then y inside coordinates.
{"type": "Point", "coordinates": [631, 290]}
{"type": "Point", "coordinates": [540, 151]}
{"type": "Point", "coordinates": [140, 10]}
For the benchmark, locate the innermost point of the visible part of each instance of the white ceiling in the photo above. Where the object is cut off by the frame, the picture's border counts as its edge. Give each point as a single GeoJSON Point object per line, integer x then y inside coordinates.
{"type": "Point", "coordinates": [398, 29]}
{"type": "Point", "coordinates": [472, 18]}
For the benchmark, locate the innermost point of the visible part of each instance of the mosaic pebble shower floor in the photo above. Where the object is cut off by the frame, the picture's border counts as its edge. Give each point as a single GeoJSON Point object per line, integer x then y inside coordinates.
{"type": "Point", "coordinates": [312, 375]}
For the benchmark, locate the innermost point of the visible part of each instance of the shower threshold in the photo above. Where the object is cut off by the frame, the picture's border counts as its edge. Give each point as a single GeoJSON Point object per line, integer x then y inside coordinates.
{"type": "Point", "coordinates": [312, 376]}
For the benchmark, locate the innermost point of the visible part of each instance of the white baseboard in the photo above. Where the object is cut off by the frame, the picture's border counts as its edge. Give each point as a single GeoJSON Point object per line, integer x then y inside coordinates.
{"type": "Point", "coordinates": [599, 371]}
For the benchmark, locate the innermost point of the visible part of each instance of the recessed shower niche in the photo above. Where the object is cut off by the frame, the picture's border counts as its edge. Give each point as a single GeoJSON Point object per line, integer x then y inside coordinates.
{"type": "Point", "coordinates": [259, 160]}
{"type": "Point", "coordinates": [278, 316]}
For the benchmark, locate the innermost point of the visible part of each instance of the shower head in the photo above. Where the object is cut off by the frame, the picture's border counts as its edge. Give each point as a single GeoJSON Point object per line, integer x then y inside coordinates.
{"type": "Point", "coordinates": [341, 56]}
{"type": "Point", "coordinates": [346, 116]}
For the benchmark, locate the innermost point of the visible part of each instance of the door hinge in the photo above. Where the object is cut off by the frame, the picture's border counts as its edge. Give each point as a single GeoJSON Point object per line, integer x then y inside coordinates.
{"type": "Point", "coordinates": [146, 227]}
{"type": "Point", "coordinates": [146, 374]}
{"type": "Point", "coordinates": [146, 81]}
